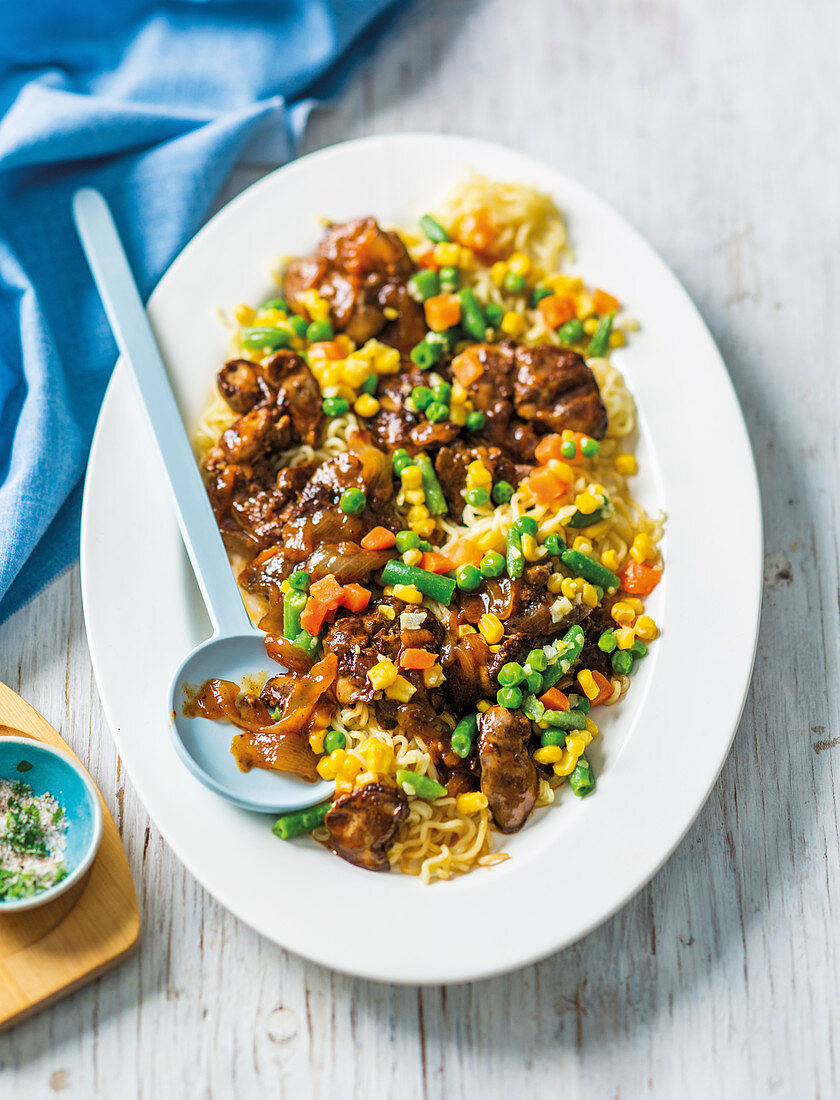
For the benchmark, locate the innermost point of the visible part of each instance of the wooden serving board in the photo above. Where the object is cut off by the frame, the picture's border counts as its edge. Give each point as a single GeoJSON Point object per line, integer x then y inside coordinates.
{"type": "Point", "coordinates": [49, 951]}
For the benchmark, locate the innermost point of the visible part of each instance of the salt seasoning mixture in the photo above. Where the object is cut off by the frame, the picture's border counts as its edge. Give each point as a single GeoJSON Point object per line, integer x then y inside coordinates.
{"type": "Point", "coordinates": [32, 839]}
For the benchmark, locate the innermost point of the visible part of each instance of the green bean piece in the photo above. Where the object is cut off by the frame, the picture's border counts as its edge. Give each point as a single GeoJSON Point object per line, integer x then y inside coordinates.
{"type": "Point", "coordinates": [571, 332]}
{"type": "Point", "coordinates": [435, 499]}
{"type": "Point", "coordinates": [370, 385]}
{"type": "Point", "coordinates": [263, 337]}
{"type": "Point", "coordinates": [494, 313]}
{"type": "Point", "coordinates": [515, 557]}
{"type": "Point", "coordinates": [425, 354]}
{"type": "Point", "coordinates": [566, 719]}
{"type": "Point", "coordinates": [298, 325]}
{"type": "Point", "coordinates": [276, 303]}
{"type": "Point", "coordinates": [293, 604]}
{"type": "Point", "coordinates": [433, 585]}
{"type": "Point", "coordinates": [450, 279]}
{"type": "Point", "coordinates": [463, 735]}
{"type": "Point", "coordinates": [433, 229]}
{"type": "Point", "coordinates": [472, 315]}
{"type": "Point", "coordinates": [532, 708]}
{"type": "Point", "coordinates": [300, 821]}
{"type": "Point", "coordinates": [579, 702]}
{"type": "Point", "coordinates": [423, 284]}
{"type": "Point", "coordinates": [582, 779]}
{"type": "Point", "coordinates": [423, 786]}
{"type": "Point", "coordinates": [318, 331]}
{"type": "Point", "coordinates": [538, 293]}
{"type": "Point", "coordinates": [309, 643]}
{"type": "Point", "coordinates": [590, 569]}
{"type": "Point", "coordinates": [333, 740]}
{"type": "Point", "coordinates": [582, 519]}
{"type": "Point", "coordinates": [552, 674]}
{"type": "Point", "coordinates": [600, 340]}
{"type": "Point", "coordinates": [622, 662]}
{"type": "Point", "coordinates": [573, 644]}
{"type": "Point", "coordinates": [299, 580]}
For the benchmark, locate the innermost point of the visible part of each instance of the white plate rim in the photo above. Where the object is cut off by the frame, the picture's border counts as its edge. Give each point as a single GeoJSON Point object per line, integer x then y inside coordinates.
{"type": "Point", "coordinates": [650, 856]}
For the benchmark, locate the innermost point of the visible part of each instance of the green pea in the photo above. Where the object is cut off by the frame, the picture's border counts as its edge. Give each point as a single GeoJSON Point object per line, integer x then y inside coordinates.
{"type": "Point", "coordinates": [492, 564]}
{"type": "Point", "coordinates": [442, 392]}
{"type": "Point", "coordinates": [555, 545]}
{"type": "Point", "coordinates": [478, 497]}
{"type": "Point", "coordinates": [590, 447]}
{"type": "Point", "coordinates": [319, 330]}
{"type": "Point", "coordinates": [300, 580]}
{"type": "Point", "coordinates": [526, 525]}
{"type": "Point", "coordinates": [533, 681]}
{"type": "Point", "coordinates": [511, 674]}
{"type": "Point", "coordinates": [333, 741]}
{"type": "Point", "coordinates": [514, 283]}
{"type": "Point", "coordinates": [352, 502]}
{"type": "Point", "coordinates": [571, 332]}
{"type": "Point", "coordinates": [502, 492]}
{"type": "Point", "coordinates": [400, 460]}
{"type": "Point", "coordinates": [407, 540]}
{"type": "Point", "coordinates": [622, 662]}
{"type": "Point", "coordinates": [369, 385]}
{"type": "Point", "coordinates": [437, 412]}
{"type": "Point", "coordinates": [423, 284]}
{"type": "Point", "coordinates": [276, 303]}
{"type": "Point", "coordinates": [421, 397]}
{"type": "Point", "coordinates": [537, 660]}
{"type": "Point", "coordinates": [553, 736]}
{"type": "Point", "coordinates": [450, 279]}
{"type": "Point", "coordinates": [468, 578]}
{"type": "Point", "coordinates": [580, 702]}
{"type": "Point", "coordinates": [638, 649]}
{"type": "Point", "coordinates": [335, 406]}
{"type": "Point", "coordinates": [298, 326]}
{"type": "Point", "coordinates": [494, 313]}
{"type": "Point", "coordinates": [538, 293]}
{"type": "Point", "coordinates": [510, 697]}
{"type": "Point", "coordinates": [607, 642]}
{"type": "Point", "coordinates": [568, 448]}
{"type": "Point", "coordinates": [476, 421]}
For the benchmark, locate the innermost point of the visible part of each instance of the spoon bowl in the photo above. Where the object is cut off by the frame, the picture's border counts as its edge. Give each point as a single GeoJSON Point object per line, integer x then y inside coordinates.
{"type": "Point", "coordinates": [236, 649]}
{"type": "Point", "coordinates": [204, 745]}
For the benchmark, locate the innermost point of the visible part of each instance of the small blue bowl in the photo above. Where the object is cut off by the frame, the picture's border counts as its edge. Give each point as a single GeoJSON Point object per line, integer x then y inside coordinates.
{"type": "Point", "coordinates": [49, 771]}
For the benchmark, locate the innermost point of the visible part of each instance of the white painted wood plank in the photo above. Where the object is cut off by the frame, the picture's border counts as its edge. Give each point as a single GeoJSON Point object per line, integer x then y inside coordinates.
{"type": "Point", "coordinates": [713, 128]}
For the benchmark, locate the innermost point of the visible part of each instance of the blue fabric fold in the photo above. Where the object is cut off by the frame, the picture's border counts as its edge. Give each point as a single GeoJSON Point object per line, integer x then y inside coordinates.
{"type": "Point", "coordinates": [154, 104]}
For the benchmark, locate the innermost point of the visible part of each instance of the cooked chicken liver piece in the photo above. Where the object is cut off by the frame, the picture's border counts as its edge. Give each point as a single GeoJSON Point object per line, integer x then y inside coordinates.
{"type": "Point", "coordinates": [555, 388]}
{"type": "Point", "coordinates": [364, 824]}
{"type": "Point", "coordinates": [508, 775]}
{"type": "Point", "coordinates": [451, 468]}
{"type": "Point", "coordinates": [242, 385]}
{"type": "Point", "coordinates": [297, 393]}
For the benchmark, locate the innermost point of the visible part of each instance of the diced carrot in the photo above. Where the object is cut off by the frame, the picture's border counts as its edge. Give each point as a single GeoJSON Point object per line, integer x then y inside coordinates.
{"type": "Point", "coordinates": [466, 552]}
{"type": "Point", "coordinates": [325, 349]}
{"type": "Point", "coordinates": [476, 230]}
{"type": "Point", "coordinates": [467, 367]}
{"type": "Point", "coordinates": [546, 485]}
{"type": "Point", "coordinates": [556, 311]}
{"type": "Point", "coordinates": [605, 688]}
{"type": "Point", "coordinates": [355, 598]}
{"type": "Point", "coordinates": [328, 591]}
{"type": "Point", "coordinates": [436, 563]}
{"type": "Point", "coordinates": [548, 448]}
{"type": "Point", "coordinates": [605, 303]}
{"type": "Point", "coordinates": [313, 615]}
{"type": "Point", "coordinates": [554, 699]}
{"type": "Point", "coordinates": [380, 538]}
{"type": "Point", "coordinates": [417, 658]}
{"type": "Point", "coordinates": [427, 259]}
{"type": "Point", "coordinates": [442, 311]}
{"type": "Point", "coordinates": [640, 579]}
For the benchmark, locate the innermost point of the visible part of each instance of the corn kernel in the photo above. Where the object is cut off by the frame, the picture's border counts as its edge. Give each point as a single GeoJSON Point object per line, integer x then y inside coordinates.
{"type": "Point", "coordinates": [417, 512]}
{"type": "Point", "coordinates": [585, 736]}
{"type": "Point", "coordinates": [589, 325]}
{"type": "Point", "coordinates": [328, 766]}
{"type": "Point", "coordinates": [459, 394]}
{"type": "Point", "coordinates": [625, 637]}
{"type": "Point", "coordinates": [575, 744]}
{"type": "Point", "coordinates": [482, 706]}
{"type": "Point", "coordinates": [616, 339]}
{"type": "Point", "coordinates": [493, 539]}
{"type": "Point", "coordinates": [530, 549]}
{"type": "Point", "coordinates": [384, 672]}
{"type": "Point", "coordinates": [401, 690]}
{"type": "Point", "coordinates": [498, 272]}
{"type": "Point", "coordinates": [412, 557]}
{"type": "Point", "coordinates": [447, 254]}
{"type": "Point", "coordinates": [642, 548]}
{"type": "Point", "coordinates": [458, 415]}
{"type": "Point", "coordinates": [519, 263]}
{"type": "Point", "coordinates": [491, 628]}
{"type": "Point", "coordinates": [478, 476]}
{"type": "Point", "coordinates": [408, 593]}
{"type": "Point", "coordinates": [316, 741]}
{"type": "Point", "coordinates": [568, 588]}
{"type": "Point", "coordinates": [622, 613]}
{"type": "Point", "coordinates": [565, 285]}
{"type": "Point", "coordinates": [646, 628]}
{"type": "Point", "coordinates": [387, 612]}
{"type": "Point", "coordinates": [378, 756]}
{"type": "Point", "coordinates": [635, 603]}
{"type": "Point", "coordinates": [344, 343]}
{"type": "Point", "coordinates": [494, 648]}
{"type": "Point", "coordinates": [415, 496]}
{"type": "Point", "coordinates": [554, 582]}
{"type": "Point", "coordinates": [566, 766]}
{"type": "Point", "coordinates": [390, 314]}
{"type": "Point", "coordinates": [513, 324]}
{"type": "Point", "coordinates": [316, 306]}
{"type": "Point", "coordinates": [587, 503]}
{"type": "Point", "coordinates": [582, 544]}
{"type": "Point", "coordinates": [348, 770]}
{"type": "Point", "coordinates": [589, 595]}
{"type": "Point", "coordinates": [244, 314]}
{"type": "Point", "coordinates": [591, 728]}
{"type": "Point", "coordinates": [609, 558]}
{"type": "Point", "coordinates": [549, 754]}
{"type": "Point", "coordinates": [355, 371]}
{"type": "Point", "coordinates": [332, 375]}
{"type": "Point", "coordinates": [366, 405]}
{"type": "Point", "coordinates": [424, 528]}
{"type": "Point", "coordinates": [411, 477]}
{"type": "Point", "coordinates": [584, 306]}
{"type": "Point", "coordinates": [471, 802]}
{"type": "Point", "coordinates": [433, 677]}
{"type": "Point", "coordinates": [285, 587]}
{"type": "Point", "coordinates": [587, 682]}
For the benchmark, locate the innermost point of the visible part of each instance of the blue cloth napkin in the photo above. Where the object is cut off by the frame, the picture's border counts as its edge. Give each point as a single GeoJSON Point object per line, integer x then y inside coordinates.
{"type": "Point", "coordinates": [153, 103]}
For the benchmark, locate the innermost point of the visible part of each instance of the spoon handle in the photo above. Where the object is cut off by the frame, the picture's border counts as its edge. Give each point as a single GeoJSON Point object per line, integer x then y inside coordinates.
{"type": "Point", "coordinates": [115, 283]}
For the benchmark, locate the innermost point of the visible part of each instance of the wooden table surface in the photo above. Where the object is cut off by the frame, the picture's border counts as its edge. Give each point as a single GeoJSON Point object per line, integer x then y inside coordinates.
{"type": "Point", "coordinates": [713, 127]}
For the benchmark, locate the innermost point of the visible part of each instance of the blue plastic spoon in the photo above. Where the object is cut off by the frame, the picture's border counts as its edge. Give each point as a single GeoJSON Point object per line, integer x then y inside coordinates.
{"type": "Point", "coordinates": [236, 647]}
